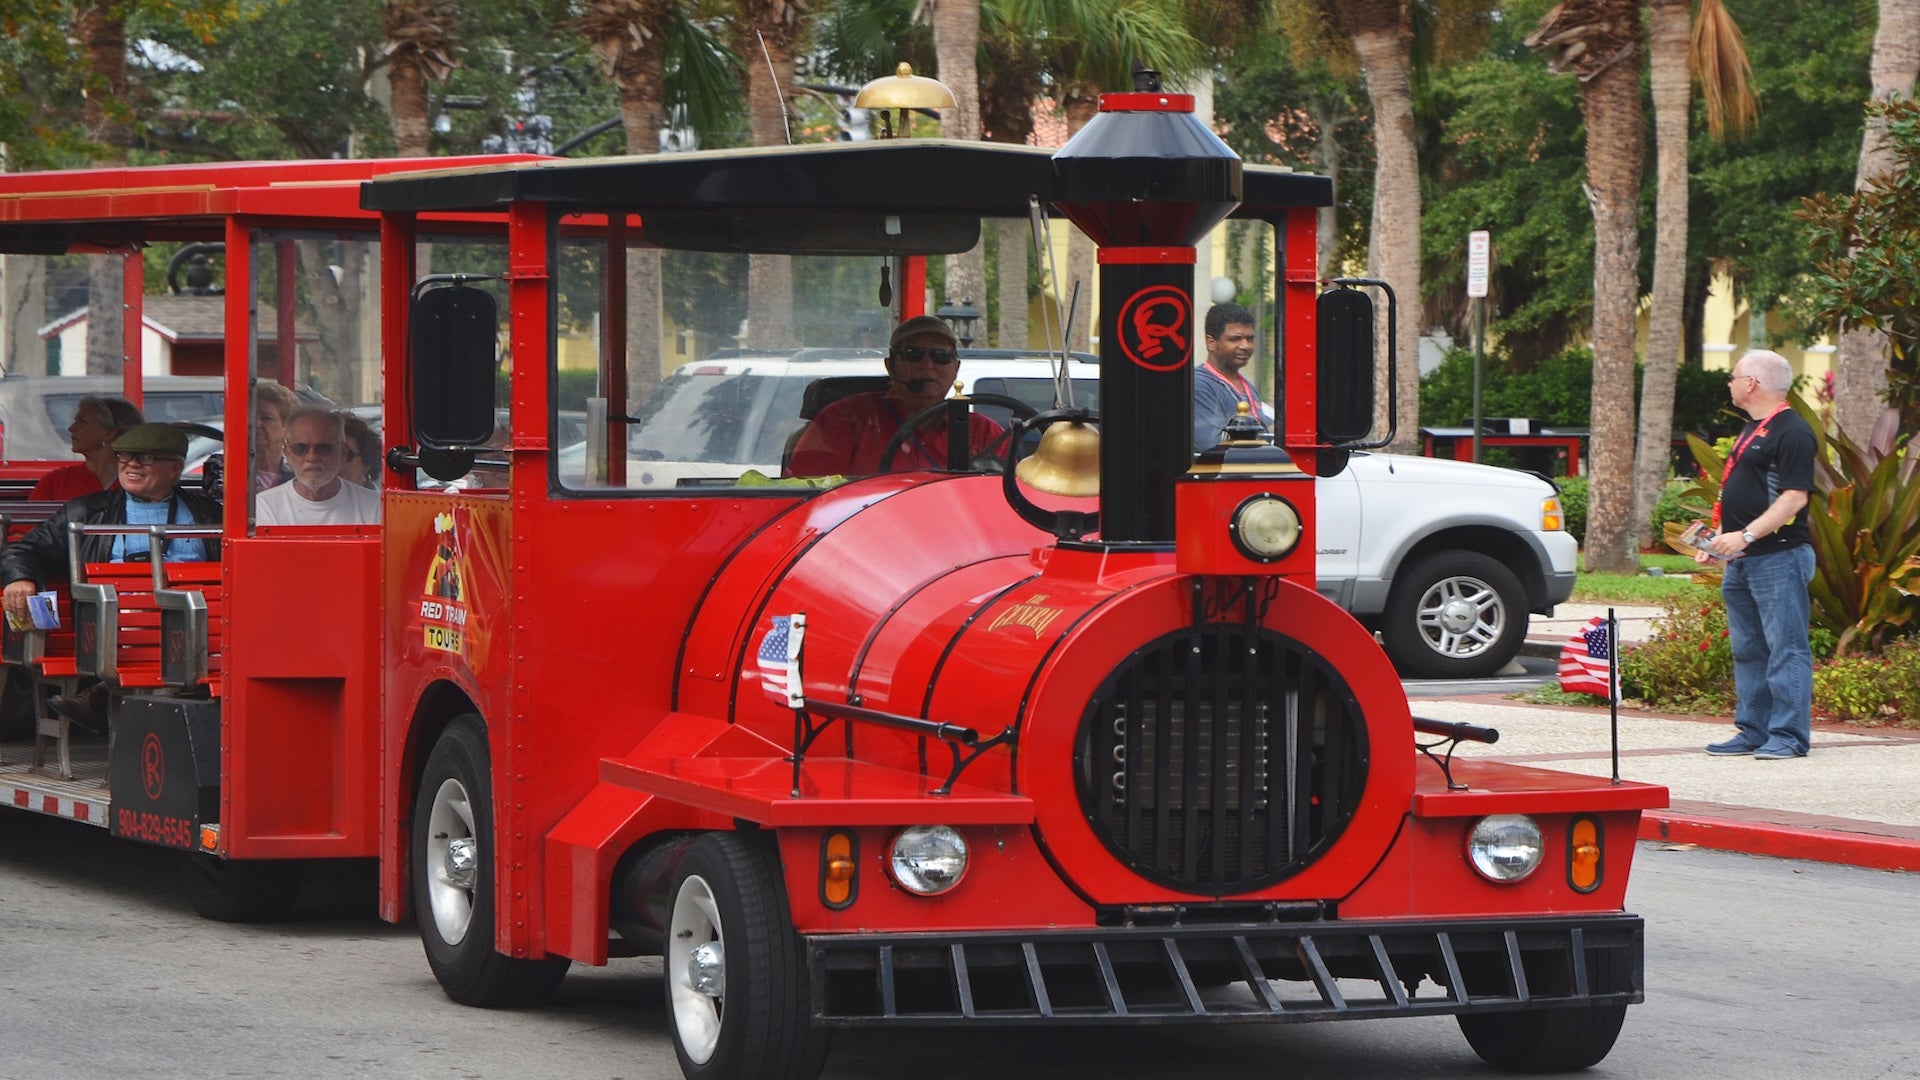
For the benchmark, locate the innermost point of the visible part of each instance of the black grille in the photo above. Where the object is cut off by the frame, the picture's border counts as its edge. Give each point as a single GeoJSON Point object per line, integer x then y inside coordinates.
{"type": "Point", "coordinates": [1221, 760]}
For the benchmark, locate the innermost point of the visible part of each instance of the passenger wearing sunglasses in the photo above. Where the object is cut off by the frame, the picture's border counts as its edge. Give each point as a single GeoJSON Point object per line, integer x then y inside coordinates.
{"type": "Point", "coordinates": [316, 446]}
{"type": "Point", "coordinates": [847, 437]}
{"type": "Point", "coordinates": [149, 459]}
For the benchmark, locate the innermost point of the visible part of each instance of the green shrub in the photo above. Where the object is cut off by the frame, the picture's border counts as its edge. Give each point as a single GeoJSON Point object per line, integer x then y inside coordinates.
{"type": "Point", "coordinates": [1573, 503]}
{"type": "Point", "coordinates": [1872, 689]}
{"type": "Point", "coordinates": [1674, 505]}
{"type": "Point", "coordinates": [1688, 664]}
{"type": "Point", "coordinates": [1853, 688]}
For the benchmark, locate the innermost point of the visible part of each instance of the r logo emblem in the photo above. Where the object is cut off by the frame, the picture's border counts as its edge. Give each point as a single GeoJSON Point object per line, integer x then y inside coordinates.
{"type": "Point", "coordinates": [153, 765]}
{"type": "Point", "coordinates": [1153, 327]}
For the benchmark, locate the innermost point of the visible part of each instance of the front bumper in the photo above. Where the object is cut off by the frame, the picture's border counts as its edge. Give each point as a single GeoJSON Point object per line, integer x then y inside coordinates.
{"type": "Point", "coordinates": [1237, 973]}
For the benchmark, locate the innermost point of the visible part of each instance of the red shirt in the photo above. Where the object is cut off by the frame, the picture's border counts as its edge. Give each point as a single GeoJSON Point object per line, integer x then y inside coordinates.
{"type": "Point", "coordinates": [66, 482]}
{"type": "Point", "coordinates": [848, 435]}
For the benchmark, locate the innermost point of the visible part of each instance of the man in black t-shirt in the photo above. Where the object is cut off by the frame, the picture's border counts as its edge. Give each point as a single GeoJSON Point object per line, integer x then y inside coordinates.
{"type": "Point", "coordinates": [1768, 552]}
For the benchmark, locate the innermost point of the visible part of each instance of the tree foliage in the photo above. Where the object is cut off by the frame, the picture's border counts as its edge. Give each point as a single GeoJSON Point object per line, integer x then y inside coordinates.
{"type": "Point", "coordinates": [1867, 247]}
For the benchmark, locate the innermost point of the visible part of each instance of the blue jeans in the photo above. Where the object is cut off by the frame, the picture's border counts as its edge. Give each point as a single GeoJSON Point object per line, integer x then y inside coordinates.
{"type": "Point", "coordinates": [1767, 618]}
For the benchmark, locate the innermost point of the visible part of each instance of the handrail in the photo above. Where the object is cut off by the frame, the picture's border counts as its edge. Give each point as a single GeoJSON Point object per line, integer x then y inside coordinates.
{"type": "Point", "coordinates": [76, 566]}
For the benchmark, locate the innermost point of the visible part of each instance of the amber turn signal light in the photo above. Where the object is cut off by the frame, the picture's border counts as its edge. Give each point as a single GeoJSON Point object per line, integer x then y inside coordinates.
{"type": "Point", "coordinates": [1583, 854]}
{"type": "Point", "coordinates": [839, 870]}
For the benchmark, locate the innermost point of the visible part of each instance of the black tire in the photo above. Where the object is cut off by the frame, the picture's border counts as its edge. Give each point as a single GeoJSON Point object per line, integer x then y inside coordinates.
{"type": "Point", "coordinates": [728, 894]}
{"type": "Point", "coordinates": [1454, 615]}
{"type": "Point", "coordinates": [454, 903]}
{"type": "Point", "coordinates": [1544, 1040]}
{"type": "Point", "coordinates": [241, 890]}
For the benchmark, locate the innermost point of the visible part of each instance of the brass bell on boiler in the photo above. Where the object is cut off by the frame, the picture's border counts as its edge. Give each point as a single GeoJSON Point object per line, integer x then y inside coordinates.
{"type": "Point", "coordinates": [1067, 461]}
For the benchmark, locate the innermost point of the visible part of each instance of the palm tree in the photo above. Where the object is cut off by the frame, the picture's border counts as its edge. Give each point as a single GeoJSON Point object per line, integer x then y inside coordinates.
{"type": "Point", "coordinates": [100, 31]}
{"type": "Point", "coordinates": [1382, 33]}
{"type": "Point", "coordinates": [1860, 364]}
{"type": "Point", "coordinates": [420, 48]}
{"type": "Point", "coordinates": [639, 42]}
{"type": "Point", "coordinates": [765, 37]}
{"type": "Point", "coordinates": [956, 44]}
{"type": "Point", "coordinates": [1719, 60]}
{"type": "Point", "coordinates": [1600, 42]}
{"type": "Point", "coordinates": [1090, 46]}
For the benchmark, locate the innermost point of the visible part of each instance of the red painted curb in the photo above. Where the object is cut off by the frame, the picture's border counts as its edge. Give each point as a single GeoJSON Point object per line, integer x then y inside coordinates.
{"type": "Point", "coordinates": [1783, 841]}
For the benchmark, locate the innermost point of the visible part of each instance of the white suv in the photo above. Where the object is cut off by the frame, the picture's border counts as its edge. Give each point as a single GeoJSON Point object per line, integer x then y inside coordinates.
{"type": "Point", "coordinates": [1444, 559]}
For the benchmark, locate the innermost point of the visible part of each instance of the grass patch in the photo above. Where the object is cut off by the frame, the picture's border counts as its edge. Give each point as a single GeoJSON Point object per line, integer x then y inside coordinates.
{"type": "Point", "coordinates": [1674, 583]}
{"type": "Point", "coordinates": [1551, 694]}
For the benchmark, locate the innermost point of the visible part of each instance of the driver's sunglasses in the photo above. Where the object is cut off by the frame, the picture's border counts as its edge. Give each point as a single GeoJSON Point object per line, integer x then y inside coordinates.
{"type": "Point", "coordinates": [142, 457]}
{"type": "Point", "coordinates": [317, 449]}
{"type": "Point", "coordinates": [943, 357]}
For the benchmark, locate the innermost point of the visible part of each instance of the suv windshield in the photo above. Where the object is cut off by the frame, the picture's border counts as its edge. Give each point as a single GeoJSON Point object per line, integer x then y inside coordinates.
{"type": "Point", "coordinates": [711, 413]}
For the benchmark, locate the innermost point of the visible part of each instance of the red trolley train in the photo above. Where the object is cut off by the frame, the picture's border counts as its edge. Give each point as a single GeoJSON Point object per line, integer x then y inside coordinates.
{"type": "Point", "coordinates": [921, 748]}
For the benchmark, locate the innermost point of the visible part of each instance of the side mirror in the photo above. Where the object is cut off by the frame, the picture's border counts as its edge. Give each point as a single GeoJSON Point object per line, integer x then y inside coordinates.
{"type": "Point", "coordinates": [452, 346]}
{"type": "Point", "coordinates": [1345, 318]}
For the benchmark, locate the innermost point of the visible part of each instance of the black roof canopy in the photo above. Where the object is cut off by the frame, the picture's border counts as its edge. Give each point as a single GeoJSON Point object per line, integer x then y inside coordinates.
{"type": "Point", "coordinates": [820, 197]}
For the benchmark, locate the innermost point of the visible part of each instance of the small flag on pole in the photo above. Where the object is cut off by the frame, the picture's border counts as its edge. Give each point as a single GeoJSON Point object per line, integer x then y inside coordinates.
{"type": "Point", "coordinates": [779, 660]}
{"type": "Point", "coordinates": [1584, 661]}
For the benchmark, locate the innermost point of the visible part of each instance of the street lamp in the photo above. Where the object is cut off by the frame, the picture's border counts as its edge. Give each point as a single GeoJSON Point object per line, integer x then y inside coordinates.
{"type": "Point", "coordinates": [960, 317]}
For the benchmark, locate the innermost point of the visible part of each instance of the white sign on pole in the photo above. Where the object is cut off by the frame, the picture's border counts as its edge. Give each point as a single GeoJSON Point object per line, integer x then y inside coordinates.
{"type": "Point", "coordinates": [1478, 246]}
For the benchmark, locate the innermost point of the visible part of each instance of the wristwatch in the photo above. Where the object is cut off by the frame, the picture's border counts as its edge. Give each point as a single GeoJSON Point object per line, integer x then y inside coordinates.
{"type": "Point", "coordinates": [1747, 535]}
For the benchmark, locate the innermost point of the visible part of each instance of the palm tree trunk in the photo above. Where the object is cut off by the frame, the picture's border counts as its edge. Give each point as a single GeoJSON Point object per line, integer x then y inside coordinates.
{"type": "Point", "coordinates": [1860, 364]}
{"type": "Point", "coordinates": [1610, 105]}
{"type": "Point", "coordinates": [956, 44]}
{"type": "Point", "coordinates": [1010, 310]}
{"type": "Point", "coordinates": [1383, 38]}
{"type": "Point", "coordinates": [641, 85]}
{"type": "Point", "coordinates": [102, 33]}
{"type": "Point", "coordinates": [1081, 103]}
{"type": "Point", "coordinates": [1672, 97]}
{"type": "Point", "coordinates": [769, 64]}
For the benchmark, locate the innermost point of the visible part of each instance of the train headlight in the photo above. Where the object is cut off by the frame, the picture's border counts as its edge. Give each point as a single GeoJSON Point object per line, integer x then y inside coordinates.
{"type": "Point", "coordinates": [1505, 847]}
{"type": "Point", "coordinates": [1265, 528]}
{"type": "Point", "coordinates": [927, 860]}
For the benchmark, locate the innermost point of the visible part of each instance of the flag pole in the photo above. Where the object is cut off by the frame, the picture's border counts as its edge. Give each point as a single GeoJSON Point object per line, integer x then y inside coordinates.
{"type": "Point", "coordinates": [1613, 686]}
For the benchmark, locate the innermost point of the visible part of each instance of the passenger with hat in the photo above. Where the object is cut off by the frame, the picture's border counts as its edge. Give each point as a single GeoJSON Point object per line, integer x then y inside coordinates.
{"type": "Point", "coordinates": [149, 459]}
{"type": "Point", "coordinates": [847, 437]}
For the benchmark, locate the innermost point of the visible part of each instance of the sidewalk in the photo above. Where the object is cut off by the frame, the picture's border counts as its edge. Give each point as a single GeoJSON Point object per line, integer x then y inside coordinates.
{"type": "Point", "coordinates": [1855, 799]}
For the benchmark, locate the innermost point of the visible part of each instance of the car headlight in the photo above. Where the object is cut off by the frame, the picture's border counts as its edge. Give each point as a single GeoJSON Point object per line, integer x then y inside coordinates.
{"type": "Point", "coordinates": [1552, 518]}
{"type": "Point", "coordinates": [1265, 527]}
{"type": "Point", "coordinates": [927, 860]}
{"type": "Point", "coordinates": [1505, 847]}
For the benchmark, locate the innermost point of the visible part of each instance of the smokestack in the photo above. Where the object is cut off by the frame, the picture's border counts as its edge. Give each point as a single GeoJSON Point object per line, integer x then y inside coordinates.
{"type": "Point", "coordinates": [1146, 180]}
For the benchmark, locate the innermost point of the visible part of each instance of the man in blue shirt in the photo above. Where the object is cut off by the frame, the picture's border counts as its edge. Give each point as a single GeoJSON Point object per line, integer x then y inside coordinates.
{"type": "Point", "coordinates": [1218, 383]}
{"type": "Point", "coordinates": [149, 459]}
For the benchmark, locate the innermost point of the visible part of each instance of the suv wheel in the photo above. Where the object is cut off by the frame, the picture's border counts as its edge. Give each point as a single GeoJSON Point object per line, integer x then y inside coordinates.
{"type": "Point", "coordinates": [1454, 614]}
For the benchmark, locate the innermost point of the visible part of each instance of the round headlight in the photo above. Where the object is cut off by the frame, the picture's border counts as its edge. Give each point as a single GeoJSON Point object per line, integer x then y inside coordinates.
{"type": "Point", "coordinates": [1265, 528]}
{"type": "Point", "coordinates": [927, 860]}
{"type": "Point", "coordinates": [1505, 847]}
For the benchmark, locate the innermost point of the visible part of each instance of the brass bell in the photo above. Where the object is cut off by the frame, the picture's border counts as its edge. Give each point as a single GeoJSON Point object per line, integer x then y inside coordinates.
{"type": "Point", "coordinates": [1067, 461]}
{"type": "Point", "coordinates": [902, 91]}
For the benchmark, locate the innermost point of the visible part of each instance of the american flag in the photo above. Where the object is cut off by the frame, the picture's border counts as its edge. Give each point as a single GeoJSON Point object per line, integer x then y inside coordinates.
{"type": "Point", "coordinates": [1583, 661]}
{"type": "Point", "coordinates": [779, 660]}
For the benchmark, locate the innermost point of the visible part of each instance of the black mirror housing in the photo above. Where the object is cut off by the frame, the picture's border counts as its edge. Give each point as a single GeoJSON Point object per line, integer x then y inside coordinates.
{"type": "Point", "coordinates": [453, 342]}
{"type": "Point", "coordinates": [1346, 354]}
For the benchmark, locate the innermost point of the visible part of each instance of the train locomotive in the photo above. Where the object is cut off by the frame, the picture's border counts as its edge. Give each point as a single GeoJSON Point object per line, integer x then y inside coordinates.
{"type": "Point", "coordinates": [950, 747]}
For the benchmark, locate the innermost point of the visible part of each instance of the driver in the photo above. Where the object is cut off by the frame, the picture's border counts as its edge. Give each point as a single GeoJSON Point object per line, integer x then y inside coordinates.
{"type": "Point", "coordinates": [847, 437]}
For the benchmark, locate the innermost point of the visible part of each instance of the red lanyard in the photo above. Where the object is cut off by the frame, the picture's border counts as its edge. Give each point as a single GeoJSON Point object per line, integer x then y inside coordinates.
{"type": "Point", "coordinates": [1739, 449]}
{"type": "Point", "coordinates": [1243, 390]}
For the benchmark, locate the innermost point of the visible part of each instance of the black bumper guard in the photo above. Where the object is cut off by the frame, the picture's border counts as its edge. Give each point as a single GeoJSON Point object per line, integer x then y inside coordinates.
{"type": "Point", "coordinates": [1184, 975]}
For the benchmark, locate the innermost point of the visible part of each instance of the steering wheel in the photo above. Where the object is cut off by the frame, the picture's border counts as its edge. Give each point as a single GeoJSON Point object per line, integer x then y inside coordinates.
{"type": "Point", "coordinates": [990, 457]}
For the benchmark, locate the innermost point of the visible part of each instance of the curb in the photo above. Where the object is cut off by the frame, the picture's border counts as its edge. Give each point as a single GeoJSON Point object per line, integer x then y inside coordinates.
{"type": "Point", "coordinates": [1782, 841]}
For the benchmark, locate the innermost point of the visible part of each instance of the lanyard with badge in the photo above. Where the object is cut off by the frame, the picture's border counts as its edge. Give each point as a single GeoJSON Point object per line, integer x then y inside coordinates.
{"type": "Point", "coordinates": [1242, 389]}
{"type": "Point", "coordinates": [1739, 449]}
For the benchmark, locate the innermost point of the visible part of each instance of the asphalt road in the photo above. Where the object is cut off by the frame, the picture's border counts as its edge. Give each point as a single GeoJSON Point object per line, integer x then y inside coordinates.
{"type": "Point", "coordinates": [1758, 969]}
